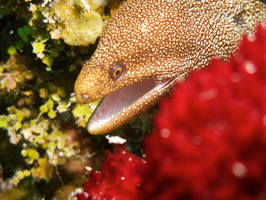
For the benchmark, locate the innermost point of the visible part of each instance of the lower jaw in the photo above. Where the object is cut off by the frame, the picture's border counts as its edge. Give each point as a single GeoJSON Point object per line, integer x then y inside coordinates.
{"type": "Point", "coordinates": [125, 104]}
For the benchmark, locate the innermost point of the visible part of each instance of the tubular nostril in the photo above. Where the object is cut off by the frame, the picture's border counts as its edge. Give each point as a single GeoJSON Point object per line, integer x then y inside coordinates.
{"type": "Point", "coordinates": [85, 97]}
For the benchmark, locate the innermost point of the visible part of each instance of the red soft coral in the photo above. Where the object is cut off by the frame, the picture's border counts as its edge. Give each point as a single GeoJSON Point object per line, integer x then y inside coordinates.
{"type": "Point", "coordinates": [210, 138]}
{"type": "Point", "coordinates": [209, 142]}
{"type": "Point", "coordinates": [118, 178]}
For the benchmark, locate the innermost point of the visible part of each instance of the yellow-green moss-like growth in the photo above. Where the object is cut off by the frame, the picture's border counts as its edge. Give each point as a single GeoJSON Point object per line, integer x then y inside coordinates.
{"type": "Point", "coordinates": [81, 24]}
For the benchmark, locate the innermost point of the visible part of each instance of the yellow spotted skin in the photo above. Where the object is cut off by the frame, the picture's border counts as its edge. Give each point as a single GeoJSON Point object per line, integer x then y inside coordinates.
{"type": "Point", "coordinates": [164, 39]}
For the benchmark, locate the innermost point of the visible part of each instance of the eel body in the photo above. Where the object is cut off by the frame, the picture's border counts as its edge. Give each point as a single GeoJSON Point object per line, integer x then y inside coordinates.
{"type": "Point", "coordinates": [150, 45]}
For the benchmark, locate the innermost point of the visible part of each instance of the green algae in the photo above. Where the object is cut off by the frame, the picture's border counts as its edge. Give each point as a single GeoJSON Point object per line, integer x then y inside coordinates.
{"type": "Point", "coordinates": [43, 135]}
{"type": "Point", "coordinates": [41, 125]}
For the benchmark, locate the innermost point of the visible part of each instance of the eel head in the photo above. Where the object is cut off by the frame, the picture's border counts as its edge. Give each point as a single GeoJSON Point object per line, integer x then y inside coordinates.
{"type": "Point", "coordinates": [131, 69]}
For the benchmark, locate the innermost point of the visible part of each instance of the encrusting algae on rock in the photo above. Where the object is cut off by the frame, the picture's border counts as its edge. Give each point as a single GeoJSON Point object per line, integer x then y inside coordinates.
{"type": "Point", "coordinates": [40, 124]}
{"type": "Point", "coordinates": [82, 24]}
{"type": "Point", "coordinates": [149, 46]}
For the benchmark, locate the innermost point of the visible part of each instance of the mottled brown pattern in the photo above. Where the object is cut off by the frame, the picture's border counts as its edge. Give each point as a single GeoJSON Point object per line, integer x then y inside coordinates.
{"type": "Point", "coordinates": [164, 39]}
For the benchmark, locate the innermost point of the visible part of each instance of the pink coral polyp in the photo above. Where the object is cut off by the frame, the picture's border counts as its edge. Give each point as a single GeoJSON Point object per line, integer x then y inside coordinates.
{"type": "Point", "coordinates": [209, 141]}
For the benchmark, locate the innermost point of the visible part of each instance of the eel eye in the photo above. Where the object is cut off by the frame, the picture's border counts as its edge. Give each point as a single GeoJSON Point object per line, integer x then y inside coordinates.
{"type": "Point", "coordinates": [117, 71]}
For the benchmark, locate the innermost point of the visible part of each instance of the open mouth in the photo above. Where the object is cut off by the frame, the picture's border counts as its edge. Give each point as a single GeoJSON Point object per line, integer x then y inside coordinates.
{"type": "Point", "coordinates": [126, 103]}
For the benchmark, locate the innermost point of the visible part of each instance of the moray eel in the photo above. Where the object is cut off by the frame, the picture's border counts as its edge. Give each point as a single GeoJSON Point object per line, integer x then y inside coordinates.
{"type": "Point", "coordinates": [150, 45]}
